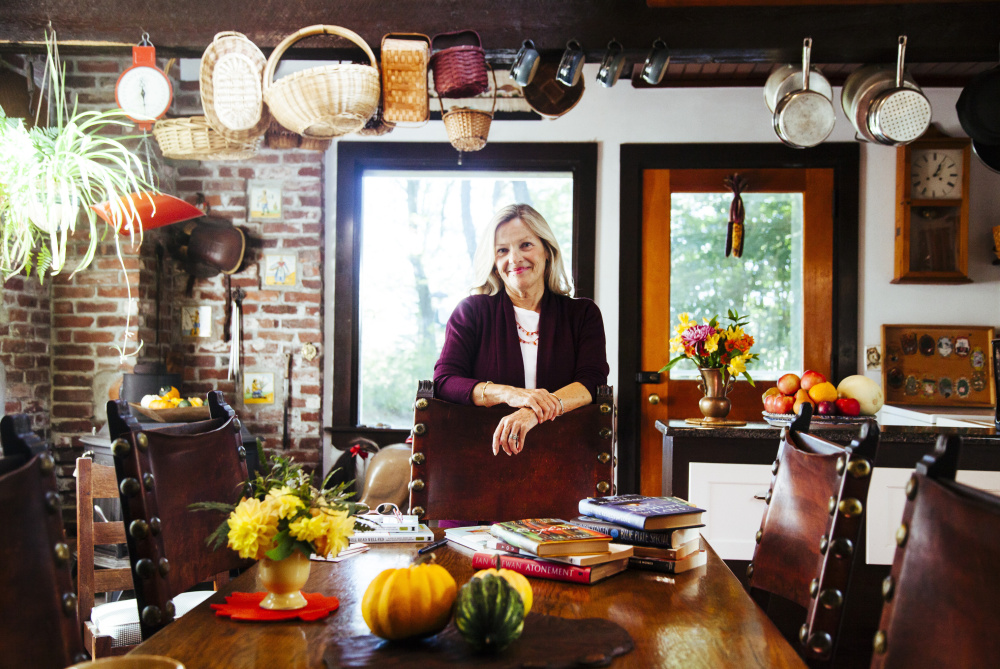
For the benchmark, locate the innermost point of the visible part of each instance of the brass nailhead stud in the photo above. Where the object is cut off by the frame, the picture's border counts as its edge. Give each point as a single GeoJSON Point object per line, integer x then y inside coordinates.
{"type": "Point", "coordinates": [603, 457]}
{"type": "Point", "coordinates": [154, 525]}
{"type": "Point", "coordinates": [888, 588]}
{"type": "Point", "coordinates": [750, 570]}
{"type": "Point", "coordinates": [859, 468]}
{"type": "Point", "coordinates": [813, 587]}
{"type": "Point", "coordinates": [841, 548]}
{"type": "Point", "coordinates": [61, 553]}
{"type": "Point", "coordinates": [605, 408]}
{"type": "Point", "coordinates": [831, 505]}
{"type": "Point", "coordinates": [820, 643]}
{"type": "Point", "coordinates": [418, 459]}
{"type": "Point", "coordinates": [774, 467]}
{"type": "Point", "coordinates": [422, 403]}
{"type": "Point", "coordinates": [758, 536]}
{"type": "Point", "coordinates": [901, 534]}
{"type": "Point", "coordinates": [163, 566]}
{"type": "Point", "coordinates": [129, 487]}
{"type": "Point", "coordinates": [120, 448]}
{"type": "Point", "coordinates": [824, 543]}
{"type": "Point", "coordinates": [47, 463]}
{"type": "Point", "coordinates": [605, 433]}
{"type": "Point", "coordinates": [911, 487]}
{"type": "Point", "coordinates": [139, 529]}
{"type": "Point", "coordinates": [237, 425]}
{"type": "Point", "coordinates": [767, 497]}
{"type": "Point", "coordinates": [851, 507]}
{"type": "Point", "coordinates": [603, 487]}
{"type": "Point", "coordinates": [241, 453]}
{"type": "Point", "coordinates": [69, 604]}
{"type": "Point", "coordinates": [831, 598]}
{"type": "Point", "coordinates": [419, 429]}
{"type": "Point", "coordinates": [147, 480]}
{"type": "Point", "coordinates": [142, 441]}
{"type": "Point", "coordinates": [52, 501]}
{"type": "Point", "coordinates": [169, 609]}
{"type": "Point", "coordinates": [151, 616]}
{"type": "Point", "coordinates": [418, 511]}
{"type": "Point", "coordinates": [145, 568]}
{"type": "Point", "coordinates": [840, 465]}
{"type": "Point", "coordinates": [417, 484]}
{"type": "Point", "coordinates": [803, 632]}
{"type": "Point", "coordinates": [879, 642]}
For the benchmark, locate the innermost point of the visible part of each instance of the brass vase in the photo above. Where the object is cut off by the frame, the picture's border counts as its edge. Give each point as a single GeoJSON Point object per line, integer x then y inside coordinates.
{"type": "Point", "coordinates": [715, 405]}
{"type": "Point", "coordinates": [283, 580]}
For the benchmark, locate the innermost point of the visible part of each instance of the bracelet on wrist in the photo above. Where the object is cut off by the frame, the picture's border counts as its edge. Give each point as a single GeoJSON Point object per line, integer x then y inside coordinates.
{"type": "Point", "coordinates": [482, 393]}
{"type": "Point", "coordinates": [562, 407]}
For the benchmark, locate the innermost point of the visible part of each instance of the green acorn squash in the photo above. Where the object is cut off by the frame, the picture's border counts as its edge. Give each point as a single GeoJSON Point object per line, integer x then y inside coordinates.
{"type": "Point", "coordinates": [489, 613]}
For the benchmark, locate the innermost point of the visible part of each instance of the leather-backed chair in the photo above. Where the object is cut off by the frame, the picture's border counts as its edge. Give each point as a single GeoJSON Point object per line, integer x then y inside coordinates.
{"type": "Point", "coordinates": [454, 474]}
{"type": "Point", "coordinates": [942, 596]}
{"type": "Point", "coordinates": [39, 627]}
{"type": "Point", "coordinates": [161, 471]}
{"type": "Point", "coordinates": [806, 545]}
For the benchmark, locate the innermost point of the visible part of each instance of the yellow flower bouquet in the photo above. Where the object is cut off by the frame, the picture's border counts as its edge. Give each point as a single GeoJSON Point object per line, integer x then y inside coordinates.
{"type": "Point", "coordinates": [711, 346]}
{"type": "Point", "coordinates": [285, 513]}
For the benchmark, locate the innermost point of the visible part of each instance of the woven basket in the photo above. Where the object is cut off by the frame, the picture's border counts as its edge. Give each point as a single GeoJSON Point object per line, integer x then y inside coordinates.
{"type": "Point", "coordinates": [459, 64]}
{"type": "Point", "coordinates": [468, 129]}
{"type": "Point", "coordinates": [313, 144]}
{"type": "Point", "coordinates": [194, 139]}
{"type": "Point", "coordinates": [404, 77]}
{"type": "Point", "coordinates": [280, 137]}
{"type": "Point", "coordinates": [230, 82]}
{"type": "Point", "coordinates": [377, 125]}
{"type": "Point", "coordinates": [327, 101]}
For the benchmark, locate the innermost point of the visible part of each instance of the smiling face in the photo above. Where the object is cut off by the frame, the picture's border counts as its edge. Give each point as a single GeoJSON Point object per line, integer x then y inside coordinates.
{"type": "Point", "coordinates": [519, 258]}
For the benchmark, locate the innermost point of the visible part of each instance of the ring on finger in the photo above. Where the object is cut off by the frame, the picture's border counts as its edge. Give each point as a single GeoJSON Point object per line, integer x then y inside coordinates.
{"type": "Point", "coordinates": [514, 438]}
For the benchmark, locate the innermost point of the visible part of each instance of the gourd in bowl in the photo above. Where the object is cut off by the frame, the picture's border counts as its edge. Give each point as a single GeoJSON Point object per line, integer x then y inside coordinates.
{"type": "Point", "coordinates": [413, 601]}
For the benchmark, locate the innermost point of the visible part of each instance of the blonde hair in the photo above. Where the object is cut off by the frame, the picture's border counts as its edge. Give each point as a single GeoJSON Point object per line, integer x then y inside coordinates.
{"type": "Point", "coordinates": [486, 281]}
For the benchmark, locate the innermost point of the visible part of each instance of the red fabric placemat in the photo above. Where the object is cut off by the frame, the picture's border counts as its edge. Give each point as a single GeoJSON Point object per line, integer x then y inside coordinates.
{"type": "Point", "coordinates": [246, 606]}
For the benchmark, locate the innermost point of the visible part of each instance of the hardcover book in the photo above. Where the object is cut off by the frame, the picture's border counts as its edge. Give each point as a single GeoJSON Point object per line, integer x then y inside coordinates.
{"type": "Point", "coordinates": [616, 552]}
{"type": "Point", "coordinates": [641, 512]}
{"type": "Point", "coordinates": [550, 536]}
{"type": "Point", "coordinates": [556, 571]}
{"type": "Point", "coordinates": [678, 553]}
{"type": "Point", "coordinates": [421, 533]}
{"type": "Point", "coordinates": [470, 539]}
{"type": "Point", "coordinates": [692, 561]}
{"type": "Point", "coordinates": [626, 535]}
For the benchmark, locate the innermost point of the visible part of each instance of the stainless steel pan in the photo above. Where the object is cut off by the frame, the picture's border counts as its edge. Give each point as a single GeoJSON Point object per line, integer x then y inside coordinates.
{"type": "Point", "coordinates": [803, 116]}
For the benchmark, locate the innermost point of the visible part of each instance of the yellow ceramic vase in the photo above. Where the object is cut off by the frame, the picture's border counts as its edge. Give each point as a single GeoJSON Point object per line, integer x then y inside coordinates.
{"type": "Point", "coordinates": [283, 580]}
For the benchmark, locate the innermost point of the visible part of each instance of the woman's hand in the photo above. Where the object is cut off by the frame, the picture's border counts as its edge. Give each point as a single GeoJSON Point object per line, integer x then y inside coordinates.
{"type": "Point", "coordinates": [543, 403]}
{"type": "Point", "coordinates": [511, 431]}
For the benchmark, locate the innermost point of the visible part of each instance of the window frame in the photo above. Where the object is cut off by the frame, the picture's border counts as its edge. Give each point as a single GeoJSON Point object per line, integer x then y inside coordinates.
{"type": "Point", "coordinates": [354, 159]}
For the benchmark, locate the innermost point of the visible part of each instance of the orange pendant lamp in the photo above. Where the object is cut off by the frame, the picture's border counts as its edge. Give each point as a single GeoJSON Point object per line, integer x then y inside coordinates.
{"type": "Point", "coordinates": [154, 211]}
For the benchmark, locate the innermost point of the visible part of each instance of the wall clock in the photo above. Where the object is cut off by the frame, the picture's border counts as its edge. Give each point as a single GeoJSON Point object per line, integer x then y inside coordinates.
{"type": "Point", "coordinates": [143, 91]}
{"type": "Point", "coordinates": [932, 210]}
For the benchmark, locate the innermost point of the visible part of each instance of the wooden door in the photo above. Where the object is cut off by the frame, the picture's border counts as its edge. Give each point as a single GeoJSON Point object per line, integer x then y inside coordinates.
{"type": "Point", "coordinates": [679, 399]}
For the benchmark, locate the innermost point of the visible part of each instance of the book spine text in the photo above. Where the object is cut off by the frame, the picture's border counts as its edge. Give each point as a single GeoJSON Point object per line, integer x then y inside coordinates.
{"type": "Point", "coordinates": [389, 537]}
{"type": "Point", "coordinates": [652, 564]}
{"type": "Point", "coordinates": [612, 514]}
{"type": "Point", "coordinates": [535, 568]}
{"type": "Point", "coordinates": [633, 537]}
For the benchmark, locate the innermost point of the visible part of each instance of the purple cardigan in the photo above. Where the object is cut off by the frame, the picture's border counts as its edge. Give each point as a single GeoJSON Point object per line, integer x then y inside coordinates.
{"type": "Point", "coordinates": [481, 344]}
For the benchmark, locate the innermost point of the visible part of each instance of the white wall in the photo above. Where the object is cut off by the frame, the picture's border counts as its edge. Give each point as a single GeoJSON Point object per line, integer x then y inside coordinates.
{"type": "Point", "coordinates": [623, 114]}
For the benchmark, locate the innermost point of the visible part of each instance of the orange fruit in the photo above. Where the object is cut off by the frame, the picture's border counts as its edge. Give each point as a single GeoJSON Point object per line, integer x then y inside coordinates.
{"type": "Point", "coordinates": [823, 392]}
{"type": "Point", "coordinates": [161, 404]}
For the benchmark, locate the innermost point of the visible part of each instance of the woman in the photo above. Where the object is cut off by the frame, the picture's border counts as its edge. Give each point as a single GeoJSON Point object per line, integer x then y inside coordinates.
{"type": "Point", "coordinates": [520, 339]}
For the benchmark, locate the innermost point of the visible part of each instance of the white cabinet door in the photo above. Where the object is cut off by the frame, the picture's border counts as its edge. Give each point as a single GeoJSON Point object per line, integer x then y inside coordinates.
{"type": "Point", "coordinates": [886, 499]}
{"type": "Point", "coordinates": [729, 494]}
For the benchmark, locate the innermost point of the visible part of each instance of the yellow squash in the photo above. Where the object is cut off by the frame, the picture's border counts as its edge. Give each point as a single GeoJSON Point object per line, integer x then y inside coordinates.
{"type": "Point", "coordinates": [516, 580]}
{"type": "Point", "coordinates": [408, 602]}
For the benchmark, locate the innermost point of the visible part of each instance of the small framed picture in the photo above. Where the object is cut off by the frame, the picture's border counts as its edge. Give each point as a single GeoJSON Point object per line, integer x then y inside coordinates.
{"type": "Point", "coordinates": [196, 321]}
{"type": "Point", "coordinates": [258, 388]}
{"type": "Point", "coordinates": [280, 269]}
{"type": "Point", "coordinates": [264, 198]}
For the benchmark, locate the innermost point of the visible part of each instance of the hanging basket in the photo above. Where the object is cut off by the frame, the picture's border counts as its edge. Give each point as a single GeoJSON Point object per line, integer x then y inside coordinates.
{"type": "Point", "coordinates": [280, 137]}
{"type": "Point", "coordinates": [230, 82]}
{"type": "Point", "coordinates": [468, 129]}
{"type": "Point", "coordinates": [459, 64]}
{"type": "Point", "coordinates": [404, 77]}
{"type": "Point", "coordinates": [194, 139]}
{"type": "Point", "coordinates": [327, 101]}
{"type": "Point", "coordinates": [377, 125]}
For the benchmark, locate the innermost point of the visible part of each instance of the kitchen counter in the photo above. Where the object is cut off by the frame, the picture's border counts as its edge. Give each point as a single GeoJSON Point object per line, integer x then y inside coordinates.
{"type": "Point", "coordinates": [842, 434]}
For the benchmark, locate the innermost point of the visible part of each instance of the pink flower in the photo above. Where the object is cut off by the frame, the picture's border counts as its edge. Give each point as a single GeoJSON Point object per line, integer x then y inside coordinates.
{"type": "Point", "coordinates": [697, 335]}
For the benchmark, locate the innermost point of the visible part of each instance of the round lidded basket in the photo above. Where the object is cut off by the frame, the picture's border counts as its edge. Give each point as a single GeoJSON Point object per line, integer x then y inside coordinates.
{"type": "Point", "coordinates": [230, 83]}
{"type": "Point", "coordinates": [194, 139]}
{"type": "Point", "coordinates": [468, 129]}
{"type": "Point", "coordinates": [327, 101]}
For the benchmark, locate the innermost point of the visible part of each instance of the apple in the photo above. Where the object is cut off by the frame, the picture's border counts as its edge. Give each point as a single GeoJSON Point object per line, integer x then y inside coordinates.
{"type": "Point", "coordinates": [788, 384]}
{"type": "Point", "coordinates": [811, 378]}
{"type": "Point", "coordinates": [802, 397]}
{"type": "Point", "coordinates": [848, 406]}
{"type": "Point", "coordinates": [783, 403]}
{"type": "Point", "coordinates": [769, 403]}
{"type": "Point", "coordinates": [867, 392]}
{"type": "Point", "coordinates": [827, 409]}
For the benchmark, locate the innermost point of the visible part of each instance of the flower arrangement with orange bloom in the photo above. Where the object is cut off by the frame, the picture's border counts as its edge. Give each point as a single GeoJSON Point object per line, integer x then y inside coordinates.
{"type": "Point", "coordinates": [708, 345]}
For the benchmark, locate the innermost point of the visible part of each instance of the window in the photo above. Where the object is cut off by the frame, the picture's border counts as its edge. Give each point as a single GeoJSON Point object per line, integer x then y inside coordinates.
{"type": "Point", "coordinates": [408, 222]}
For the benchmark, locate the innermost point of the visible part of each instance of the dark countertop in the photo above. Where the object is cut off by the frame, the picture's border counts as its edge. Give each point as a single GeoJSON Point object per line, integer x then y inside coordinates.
{"type": "Point", "coordinates": [890, 433]}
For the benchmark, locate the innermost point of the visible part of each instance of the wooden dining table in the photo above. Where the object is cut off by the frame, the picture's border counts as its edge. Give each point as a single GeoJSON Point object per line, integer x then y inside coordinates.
{"type": "Point", "coordinates": [700, 618]}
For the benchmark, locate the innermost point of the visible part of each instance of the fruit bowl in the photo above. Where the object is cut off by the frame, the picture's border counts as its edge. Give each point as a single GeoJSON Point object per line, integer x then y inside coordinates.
{"type": "Point", "coordinates": [825, 422]}
{"type": "Point", "coordinates": [175, 415]}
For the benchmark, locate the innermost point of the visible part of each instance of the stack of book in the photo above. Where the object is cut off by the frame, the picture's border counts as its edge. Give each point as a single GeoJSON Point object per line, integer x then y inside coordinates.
{"type": "Point", "coordinates": [662, 531]}
{"type": "Point", "coordinates": [543, 548]}
{"type": "Point", "coordinates": [384, 528]}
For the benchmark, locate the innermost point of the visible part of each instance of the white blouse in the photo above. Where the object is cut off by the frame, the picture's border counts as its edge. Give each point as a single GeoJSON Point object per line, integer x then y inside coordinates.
{"type": "Point", "coordinates": [527, 334]}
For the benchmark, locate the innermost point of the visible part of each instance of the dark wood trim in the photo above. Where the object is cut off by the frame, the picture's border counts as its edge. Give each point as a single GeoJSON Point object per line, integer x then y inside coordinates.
{"type": "Point", "coordinates": [844, 158]}
{"type": "Point", "coordinates": [354, 158]}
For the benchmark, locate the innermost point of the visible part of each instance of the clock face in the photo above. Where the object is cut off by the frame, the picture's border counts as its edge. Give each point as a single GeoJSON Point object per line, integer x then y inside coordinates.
{"type": "Point", "coordinates": [936, 174]}
{"type": "Point", "coordinates": [144, 93]}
